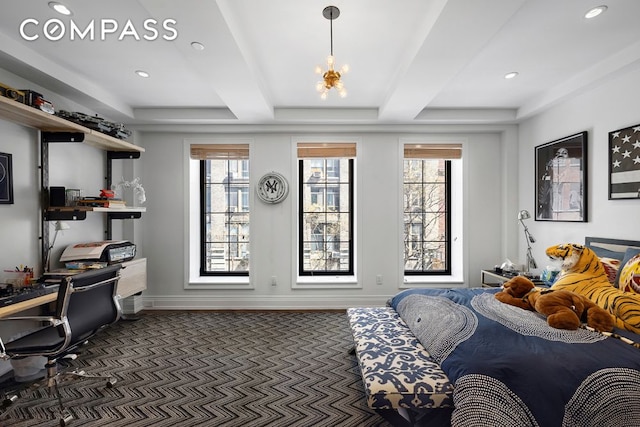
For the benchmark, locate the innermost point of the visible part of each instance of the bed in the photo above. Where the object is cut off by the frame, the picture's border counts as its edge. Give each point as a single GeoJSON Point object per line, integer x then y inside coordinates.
{"type": "Point", "coordinates": [509, 368]}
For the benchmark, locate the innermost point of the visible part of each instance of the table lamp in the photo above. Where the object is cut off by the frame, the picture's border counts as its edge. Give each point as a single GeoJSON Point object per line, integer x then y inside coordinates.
{"type": "Point", "coordinates": [531, 261]}
{"type": "Point", "coordinates": [60, 225]}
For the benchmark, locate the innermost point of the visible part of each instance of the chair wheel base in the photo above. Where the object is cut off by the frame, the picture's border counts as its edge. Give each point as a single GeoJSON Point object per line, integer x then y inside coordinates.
{"type": "Point", "coordinates": [65, 418]}
{"type": "Point", "coordinates": [9, 400]}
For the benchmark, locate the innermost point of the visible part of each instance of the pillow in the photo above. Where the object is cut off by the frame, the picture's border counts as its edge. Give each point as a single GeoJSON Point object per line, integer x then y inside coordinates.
{"type": "Point", "coordinates": [607, 253]}
{"type": "Point", "coordinates": [629, 278]}
{"type": "Point", "coordinates": [611, 266]}
{"type": "Point", "coordinates": [629, 253]}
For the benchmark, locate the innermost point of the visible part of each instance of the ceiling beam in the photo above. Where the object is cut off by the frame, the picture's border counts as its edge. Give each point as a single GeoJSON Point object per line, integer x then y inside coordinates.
{"type": "Point", "coordinates": [435, 63]}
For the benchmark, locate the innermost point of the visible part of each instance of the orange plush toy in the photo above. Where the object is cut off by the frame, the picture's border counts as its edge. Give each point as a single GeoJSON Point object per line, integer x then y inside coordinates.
{"type": "Point", "coordinates": [563, 309]}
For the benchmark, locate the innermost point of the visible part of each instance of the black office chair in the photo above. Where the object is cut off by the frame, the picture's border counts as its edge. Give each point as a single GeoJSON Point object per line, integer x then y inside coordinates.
{"type": "Point", "coordinates": [87, 302]}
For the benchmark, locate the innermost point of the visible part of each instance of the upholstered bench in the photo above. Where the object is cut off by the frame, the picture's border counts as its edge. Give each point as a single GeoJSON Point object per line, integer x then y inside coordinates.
{"type": "Point", "coordinates": [401, 380]}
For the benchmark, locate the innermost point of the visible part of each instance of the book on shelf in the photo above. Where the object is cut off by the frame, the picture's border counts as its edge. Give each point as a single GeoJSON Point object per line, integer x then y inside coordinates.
{"type": "Point", "coordinates": [102, 203]}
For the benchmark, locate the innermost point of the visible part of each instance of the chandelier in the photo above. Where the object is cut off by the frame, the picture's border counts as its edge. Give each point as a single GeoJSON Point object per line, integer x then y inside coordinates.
{"type": "Point", "coordinates": [331, 77]}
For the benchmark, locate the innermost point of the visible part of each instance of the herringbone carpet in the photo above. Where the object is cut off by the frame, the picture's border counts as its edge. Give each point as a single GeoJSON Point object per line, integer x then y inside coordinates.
{"type": "Point", "coordinates": [232, 369]}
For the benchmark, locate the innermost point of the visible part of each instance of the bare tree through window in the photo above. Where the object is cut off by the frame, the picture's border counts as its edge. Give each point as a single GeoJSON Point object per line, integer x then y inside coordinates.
{"type": "Point", "coordinates": [225, 217]}
{"type": "Point", "coordinates": [426, 216]}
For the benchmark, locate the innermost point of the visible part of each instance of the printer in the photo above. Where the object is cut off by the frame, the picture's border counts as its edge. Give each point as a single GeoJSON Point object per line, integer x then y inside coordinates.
{"type": "Point", "coordinates": [109, 251]}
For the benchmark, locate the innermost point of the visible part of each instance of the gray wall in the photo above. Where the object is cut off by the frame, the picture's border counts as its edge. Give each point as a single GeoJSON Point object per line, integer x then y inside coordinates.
{"type": "Point", "coordinates": [273, 227]}
{"type": "Point", "coordinates": [612, 105]}
{"type": "Point", "coordinates": [498, 164]}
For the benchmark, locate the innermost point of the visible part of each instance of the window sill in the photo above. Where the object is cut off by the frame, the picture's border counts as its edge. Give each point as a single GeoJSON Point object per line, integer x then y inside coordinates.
{"type": "Point", "coordinates": [219, 282]}
{"type": "Point", "coordinates": [431, 282]}
{"type": "Point", "coordinates": [326, 282]}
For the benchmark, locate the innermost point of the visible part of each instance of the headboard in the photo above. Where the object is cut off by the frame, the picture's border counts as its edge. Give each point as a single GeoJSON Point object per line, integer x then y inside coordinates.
{"type": "Point", "coordinates": [610, 248]}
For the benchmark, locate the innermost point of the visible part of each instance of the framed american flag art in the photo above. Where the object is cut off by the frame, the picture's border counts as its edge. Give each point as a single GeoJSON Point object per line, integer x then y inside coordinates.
{"type": "Point", "coordinates": [624, 163]}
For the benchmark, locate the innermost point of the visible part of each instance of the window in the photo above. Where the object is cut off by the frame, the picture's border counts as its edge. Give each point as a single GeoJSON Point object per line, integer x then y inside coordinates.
{"type": "Point", "coordinates": [326, 208]}
{"type": "Point", "coordinates": [224, 208]}
{"type": "Point", "coordinates": [427, 208]}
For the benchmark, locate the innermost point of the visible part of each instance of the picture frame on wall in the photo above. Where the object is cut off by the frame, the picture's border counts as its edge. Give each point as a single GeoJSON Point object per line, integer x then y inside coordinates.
{"type": "Point", "coordinates": [561, 179]}
{"type": "Point", "coordinates": [6, 179]}
{"type": "Point", "coordinates": [624, 163]}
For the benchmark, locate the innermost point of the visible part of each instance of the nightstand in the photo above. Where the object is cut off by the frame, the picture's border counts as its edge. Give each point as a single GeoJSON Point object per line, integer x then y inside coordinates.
{"type": "Point", "coordinates": [493, 279]}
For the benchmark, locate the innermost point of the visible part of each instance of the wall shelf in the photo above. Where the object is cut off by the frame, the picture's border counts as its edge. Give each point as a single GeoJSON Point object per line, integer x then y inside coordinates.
{"type": "Point", "coordinates": [119, 210]}
{"type": "Point", "coordinates": [53, 214]}
{"type": "Point", "coordinates": [28, 116]}
{"type": "Point", "coordinates": [79, 213]}
{"type": "Point", "coordinates": [54, 129]}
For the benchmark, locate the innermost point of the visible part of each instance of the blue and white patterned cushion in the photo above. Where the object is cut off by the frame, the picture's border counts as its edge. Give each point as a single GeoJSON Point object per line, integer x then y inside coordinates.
{"type": "Point", "coordinates": [396, 369]}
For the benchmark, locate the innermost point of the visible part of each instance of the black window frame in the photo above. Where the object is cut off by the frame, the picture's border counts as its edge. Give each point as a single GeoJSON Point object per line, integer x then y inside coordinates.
{"type": "Point", "coordinates": [301, 242]}
{"type": "Point", "coordinates": [203, 224]}
{"type": "Point", "coordinates": [447, 240]}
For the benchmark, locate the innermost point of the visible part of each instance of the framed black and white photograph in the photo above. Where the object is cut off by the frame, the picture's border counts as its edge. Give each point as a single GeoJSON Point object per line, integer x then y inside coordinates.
{"type": "Point", "coordinates": [6, 179]}
{"type": "Point", "coordinates": [561, 179]}
{"type": "Point", "coordinates": [624, 163]}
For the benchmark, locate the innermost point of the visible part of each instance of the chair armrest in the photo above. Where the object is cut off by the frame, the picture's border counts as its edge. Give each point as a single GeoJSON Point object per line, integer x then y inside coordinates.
{"type": "Point", "coordinates": [48, 319]}
{"type": "Point", "coordinates": [51, 320]}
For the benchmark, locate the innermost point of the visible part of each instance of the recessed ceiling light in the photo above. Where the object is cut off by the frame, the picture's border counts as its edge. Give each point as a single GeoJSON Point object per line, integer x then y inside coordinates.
{"type": "Point", "coordinates": [143, 73]}
{"type": "Point", "coordinates": [60, 8]}
{"type": "Point", "coordinates": [197, 46]}
{"type": "Point", "coordinates": [596, 11]}
{"type": "Point", "coordinates": [511, 75]}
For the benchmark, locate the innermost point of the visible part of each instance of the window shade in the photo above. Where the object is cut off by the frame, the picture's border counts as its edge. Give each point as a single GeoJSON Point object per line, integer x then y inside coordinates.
{"type": "Point", "coordinates": [219, 151]}
{"type": "Point", "coordinates": [433, 151]}
{"type": "Point", "coordinates": [326, 149]}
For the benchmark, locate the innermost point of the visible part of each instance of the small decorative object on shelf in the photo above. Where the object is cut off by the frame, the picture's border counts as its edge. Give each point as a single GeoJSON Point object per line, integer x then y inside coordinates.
{"type": "Point", "coordinates": [107, 194]}
{"type": "Point", "coordinates": [138, 189]}
{"type": "Point", "coordinates": [101, 202]}
{"type": "Point", "coordinates": [116, 130]}
{"type": "Point", "coordinates": [72, 195]}
{"type": "Point", "coordinates": [35, 100]}
{"type": "Point", "coordinates": [11, 93]}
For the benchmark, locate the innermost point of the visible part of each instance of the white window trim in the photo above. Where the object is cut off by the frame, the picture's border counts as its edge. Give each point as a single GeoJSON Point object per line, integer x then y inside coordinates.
{"type": "Point", "coordinates": [192, 277]}
{"type": "Point", "coordinates": [456, 278]}
{"type": "Point", "coordinates": [325, 282]}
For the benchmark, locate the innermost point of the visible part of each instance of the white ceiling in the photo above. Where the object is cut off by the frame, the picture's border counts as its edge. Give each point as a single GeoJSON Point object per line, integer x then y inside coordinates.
{"type": "Point", "coordinates": [411, 61]}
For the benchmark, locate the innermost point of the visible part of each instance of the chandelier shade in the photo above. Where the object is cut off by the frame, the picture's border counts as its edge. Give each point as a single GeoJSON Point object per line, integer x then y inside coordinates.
{"type": "Point", "coordinates": [331, 78]}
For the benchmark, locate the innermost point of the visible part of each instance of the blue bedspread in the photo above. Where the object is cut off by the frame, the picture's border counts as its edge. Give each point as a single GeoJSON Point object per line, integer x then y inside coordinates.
{"type": "Point", "coordinates": [509, 368]}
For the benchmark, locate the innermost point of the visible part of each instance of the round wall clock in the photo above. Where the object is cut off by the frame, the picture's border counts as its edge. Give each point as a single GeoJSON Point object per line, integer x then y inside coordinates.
{"type": "Point", "coordinates": [272, 188]}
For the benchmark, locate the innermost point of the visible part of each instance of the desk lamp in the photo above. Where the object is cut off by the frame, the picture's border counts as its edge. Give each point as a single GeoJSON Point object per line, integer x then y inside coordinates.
{"type": "Point", "coordinates": [60, 225]}
{"type": "Point", "coordinates": [531, 261]}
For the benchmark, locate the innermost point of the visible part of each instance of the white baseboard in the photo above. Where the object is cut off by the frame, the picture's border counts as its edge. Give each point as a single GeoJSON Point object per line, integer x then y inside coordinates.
{"type": "Point", "coordinates": [260, 302]}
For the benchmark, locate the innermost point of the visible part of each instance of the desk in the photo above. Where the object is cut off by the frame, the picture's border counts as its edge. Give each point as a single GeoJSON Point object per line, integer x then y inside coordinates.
{"type": "Point", "coordinates": [133, 279]}
{"type": "Point", "coordinates": [12, 309]}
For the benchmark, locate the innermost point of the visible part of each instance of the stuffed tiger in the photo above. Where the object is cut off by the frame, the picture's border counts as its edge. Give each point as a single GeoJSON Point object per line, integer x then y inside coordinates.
{"type": "Point", "coordinates": [583, 273]}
